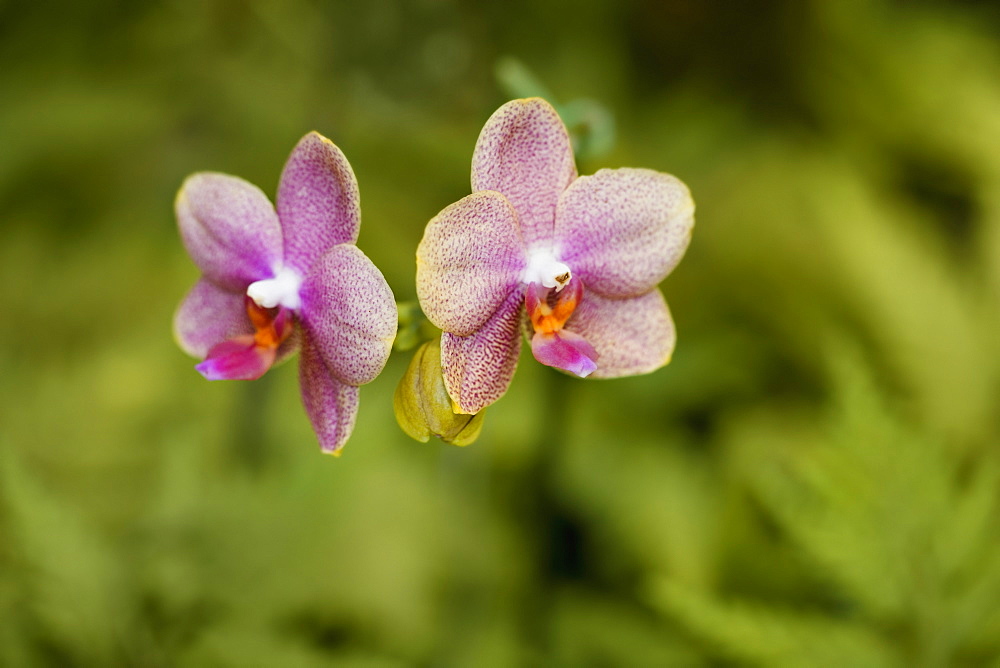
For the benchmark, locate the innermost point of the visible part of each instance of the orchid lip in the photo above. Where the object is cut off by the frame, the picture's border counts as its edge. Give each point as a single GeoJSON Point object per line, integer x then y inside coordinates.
{"type": "Point", "coordinates": [544, 269]}
{"type": "Point", "coordinates": [281, 290]}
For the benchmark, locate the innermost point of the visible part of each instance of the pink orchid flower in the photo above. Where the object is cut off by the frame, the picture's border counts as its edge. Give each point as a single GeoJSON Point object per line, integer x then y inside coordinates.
{"type": "Point", "coordinates": [276, 279]}
{"type": "Point", "coordinates": [574, 261]}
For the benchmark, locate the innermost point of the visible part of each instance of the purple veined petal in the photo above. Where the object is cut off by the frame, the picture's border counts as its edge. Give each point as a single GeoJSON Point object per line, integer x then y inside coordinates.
{"type": "Point", "coordinates": [349, 314]}
{"type": "Point", "coordinates": [565, 350]}
{"type": "Point", "coordinates": [208, 316]}
{"type": "Point", "coordinates": [237, 359]}
{"type": "Point", "coordinates": [525, 153]}
{"type": "Point", "coordinates": [477, 369]}
{"type": "Point", "coordinates": [332, 406]}
{"type": "Point", "coordinates": [318, 201]}
{"type": "Point", "coordinates": [624, 230]}
{"type": "Point", "coordinates": [470, 258]}
{"type": "Point", "coordinates": [229, 228]}
{"type": "Point", "coordinates": [631, 336]}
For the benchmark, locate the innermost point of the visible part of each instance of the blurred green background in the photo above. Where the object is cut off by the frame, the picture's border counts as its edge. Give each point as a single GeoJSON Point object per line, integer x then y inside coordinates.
{"type": "Point", "coordinates": [813, 481]}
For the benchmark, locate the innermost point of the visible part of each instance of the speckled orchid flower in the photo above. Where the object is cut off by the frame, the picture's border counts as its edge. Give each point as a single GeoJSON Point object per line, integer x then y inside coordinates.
{"type": "Point", "coordinates": [574, 261]}
{"type": "Point", "coordinates": [278, 278]}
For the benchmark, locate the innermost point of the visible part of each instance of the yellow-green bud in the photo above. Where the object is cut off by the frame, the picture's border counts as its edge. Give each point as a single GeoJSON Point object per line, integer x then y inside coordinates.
{"type": "Point", "coordinates": [422, 405]}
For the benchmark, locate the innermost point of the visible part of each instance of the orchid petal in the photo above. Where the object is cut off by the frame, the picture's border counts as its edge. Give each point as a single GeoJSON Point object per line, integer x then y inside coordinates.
{"type": "Point", "coordinates": [525, 153]}
{"type": "Point", "coordinates": [469, 260]}
{"type": "Point", "coordinates": [349, 314]}
{"type": "Point", "coordinates": [631, 336]}
{"type": "Point", "coordinates": [565, 350]}
{"type": "Point", "coordinates": [209, 315]}
{"type": "Point", "coordinates": [237, 359]}
{"type": "Point", "coordinates": [229, 228]}
{"type": "Point", "coordinates": [624, 230]}
{"type": "Point", "coordinates": [318, 201]}
{"type": "Point", "coordinates": [478, 369]}
{"type": "Point", "coordinates": [332, 406]}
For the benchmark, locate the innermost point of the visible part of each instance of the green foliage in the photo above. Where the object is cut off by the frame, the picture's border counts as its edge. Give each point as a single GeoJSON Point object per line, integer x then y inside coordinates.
{"type": "Point", "coordinates": [813, 481]}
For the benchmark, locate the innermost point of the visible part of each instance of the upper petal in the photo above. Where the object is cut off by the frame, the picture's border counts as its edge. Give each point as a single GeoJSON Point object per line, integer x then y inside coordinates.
{"type": "Point", "coordinates": [332, 406]}
{"type": "Point", "coordinates": [470, 258]}
{"type": "Point", "coordinates": [208, 316]}
{"type": "Point", "coordinates": [477, 369]}
{"type": "Point", "coordinates": [229, 228]}
{"type": "Point", "coordinates": [318, 201]}
{"type": "Point", "coordinates": [624, 230]}
{"type": "Point", "coordinates": [348, 314]}
{"type": "Point", "coordinates": [525, 153]}
{"type": "Point", "coordinates": [631, 336]}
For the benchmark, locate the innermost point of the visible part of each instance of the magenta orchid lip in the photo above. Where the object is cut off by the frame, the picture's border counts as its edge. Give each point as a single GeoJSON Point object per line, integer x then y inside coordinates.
{"type": "Point", "coordinates": [276, 279]}
{"type": "Point", "coordinates": [531, 228]}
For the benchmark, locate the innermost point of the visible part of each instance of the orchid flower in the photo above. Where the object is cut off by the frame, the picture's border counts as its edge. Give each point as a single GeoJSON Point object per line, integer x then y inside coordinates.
{"type": "Point", "coordinates": [574, 261]}
{"type": "Point", "coordinates": [279, 278]}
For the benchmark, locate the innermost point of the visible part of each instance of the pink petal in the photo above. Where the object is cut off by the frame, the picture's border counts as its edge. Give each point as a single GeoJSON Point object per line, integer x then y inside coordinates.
{"type": "Point", "coordinates": [469, 260]}
{"type": "Point", "coordinates": [209, 315]}
{"type": "Point", "coordinates": [478, 368]}
{"type": "Point", "coordinates": [524, 152]}
{"type": "Point", "coordinates": [631, 336]}
{"type": "Point", "coordinates": [624, 230]}
{"type": "Point", "coordinates": [237, 359]}
{"type": "Point", "coordinates": [349, 314]}
{"type": "Point", "coordinates": [332, 406]}
{"type": "Point", "coordinates": [318, 201]}
{"type": "Point", "coordinates": [565, 350]}
{"type": "Point", "coordinates": [229, 228]}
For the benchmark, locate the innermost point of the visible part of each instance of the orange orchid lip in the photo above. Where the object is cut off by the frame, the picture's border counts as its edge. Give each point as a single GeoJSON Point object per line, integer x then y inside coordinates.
{"type": "Point", "coordinates": [272, 325]}
{"type": "Point", "coordinates": [550, 317]}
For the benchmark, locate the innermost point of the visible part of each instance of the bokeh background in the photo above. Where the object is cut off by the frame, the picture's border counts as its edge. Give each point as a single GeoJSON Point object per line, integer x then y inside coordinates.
{"type": "Point", "coordinates": [813, 481]}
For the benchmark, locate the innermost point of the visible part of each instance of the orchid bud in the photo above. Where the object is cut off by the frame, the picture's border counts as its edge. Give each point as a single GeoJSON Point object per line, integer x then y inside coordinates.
{"type": "Point", "coordinates": [422, 405]}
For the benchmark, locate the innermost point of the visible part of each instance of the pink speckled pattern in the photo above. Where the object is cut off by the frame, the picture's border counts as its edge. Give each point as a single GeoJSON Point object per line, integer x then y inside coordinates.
{"type": "Point", "coordinates": [318, 201]}
{"type": "Point", "coordinates": [332, 406]}
{"type": "Point", "coordinates": [478, 369]}
{"type": "Point", "coordinates": [623, 230]}
{"type": "Point", "coordinates": [209, 315]}
{"type": "Point", "coordinates": [631, 336]}
{"type": "Point", "coordinates": [620, 232]}
{"type": "Point", "coordinates": [525, 153]}
{"type": "Point", "coordinates": [347, 318]}
{"type": "Point", "coordinates": [229, 229]}
{"type": "Point", "coordinates": [349, 314]}
{"type": "Point", "coordinates": [470, 258]}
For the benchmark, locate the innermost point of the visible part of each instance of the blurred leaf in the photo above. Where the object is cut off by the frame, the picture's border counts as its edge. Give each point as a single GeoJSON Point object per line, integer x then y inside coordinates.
{"type": "Point", "coordinates": [771, 636]}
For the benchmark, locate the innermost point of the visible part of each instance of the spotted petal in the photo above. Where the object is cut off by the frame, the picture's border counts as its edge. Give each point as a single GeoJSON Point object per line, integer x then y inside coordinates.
{"type": "Point", "coordinates": [631, 336]}
{"type": "Point", "coordinates": [229, 228]}
{"type": "Point", "coordinates": [469, 260]}
{"type": "Point", "coordinates": [208, 316]}
{"type": "Point", "coordinates": [478, 369]}
{"type": "Point", "coordinates": [332, 406]}
{"type": "Point", "coordinates": [623, 230]}
{"type": "Point", "coordinates": [348, 314]}
{"type": "Point", "coordinates": [524, 152]}
{"type": "Point", "coordinates": [318, 201]}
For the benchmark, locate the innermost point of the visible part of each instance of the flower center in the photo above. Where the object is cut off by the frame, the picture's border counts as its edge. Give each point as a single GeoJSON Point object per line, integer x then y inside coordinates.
{"type": "Point", "coordinates": [550, 309]}
{"type": "Point", "coordinates": [282, 290]}
{"type": "Point", "coordinates": [544, 269]}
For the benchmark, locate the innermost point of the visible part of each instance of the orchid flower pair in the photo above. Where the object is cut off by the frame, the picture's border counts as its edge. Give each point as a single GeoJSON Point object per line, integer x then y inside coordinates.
{"type": "Point", "coordinates": [573, 262]}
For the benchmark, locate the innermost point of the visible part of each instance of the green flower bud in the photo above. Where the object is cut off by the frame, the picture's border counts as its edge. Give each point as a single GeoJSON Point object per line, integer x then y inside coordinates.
{"type": "Point", "coordinates": [423, 407]}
